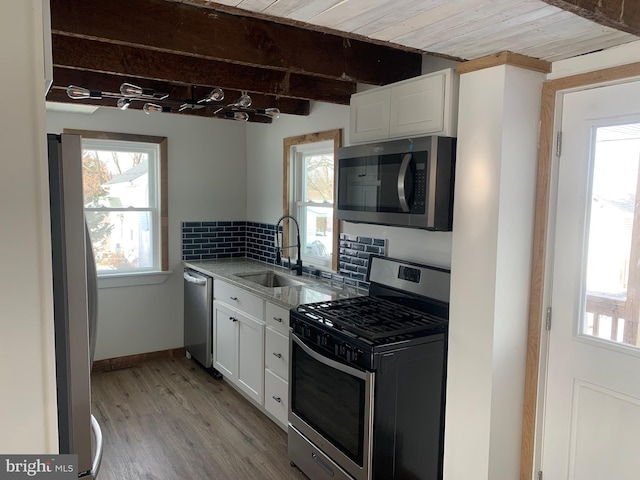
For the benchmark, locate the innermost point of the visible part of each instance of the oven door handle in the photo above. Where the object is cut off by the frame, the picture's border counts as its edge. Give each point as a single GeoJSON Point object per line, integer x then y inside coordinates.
{"type": "Point", "coordinates": [327, 361]}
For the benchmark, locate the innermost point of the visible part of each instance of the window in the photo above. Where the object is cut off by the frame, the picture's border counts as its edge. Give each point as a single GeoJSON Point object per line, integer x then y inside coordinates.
{"type": "Point", "coordinates": [612, 283]}
{"type": "Point", "coordinates": [124, 182]}
{"type": "Point", "coordinates": [310, 195]}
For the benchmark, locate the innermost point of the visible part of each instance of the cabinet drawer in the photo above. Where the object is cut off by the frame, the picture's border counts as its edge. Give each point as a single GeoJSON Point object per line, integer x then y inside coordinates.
{"type": "Point", "coordinates": [276, 353]}
{"type": "Point", "coordinates": [276, 397]}
{"type": "Point", "coordinates": [277, 317]}
{"type": "Point", "coordinates": [238, 298]}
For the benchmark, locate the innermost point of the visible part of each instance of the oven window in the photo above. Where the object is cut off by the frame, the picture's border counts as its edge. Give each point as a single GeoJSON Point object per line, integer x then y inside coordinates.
{"type": "Point", "coordinates": [330, 401]}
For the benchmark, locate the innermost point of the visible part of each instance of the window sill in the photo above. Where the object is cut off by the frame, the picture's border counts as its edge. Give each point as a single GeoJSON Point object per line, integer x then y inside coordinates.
{"type": "Point", "coordinates": [132, 279]}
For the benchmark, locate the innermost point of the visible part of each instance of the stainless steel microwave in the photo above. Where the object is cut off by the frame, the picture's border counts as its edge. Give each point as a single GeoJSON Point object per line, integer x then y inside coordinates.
{"type": "Point", "coordinates": [402, 182]}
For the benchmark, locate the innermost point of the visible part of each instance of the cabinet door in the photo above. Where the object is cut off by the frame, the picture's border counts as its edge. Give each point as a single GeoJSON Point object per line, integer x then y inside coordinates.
{"type": "Point", "coordinates": [276, 353]}
{"type": "Point", "coordinates": [417, 107]}
{"type": "Point", "coordinates": [251, 357]}
{"type": "Point", "coordinates": [225, 341]}
{"type": "Point", "coordinates": [369, 118]}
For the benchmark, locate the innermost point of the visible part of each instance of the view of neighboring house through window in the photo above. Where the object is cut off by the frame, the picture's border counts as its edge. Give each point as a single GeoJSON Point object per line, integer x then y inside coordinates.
{"type": "Point", "coordinates": [122, 204]}
{"type": "Point", "coordinates": [612, 283]}
{"type": "Point", "coordinates": [313, 174]}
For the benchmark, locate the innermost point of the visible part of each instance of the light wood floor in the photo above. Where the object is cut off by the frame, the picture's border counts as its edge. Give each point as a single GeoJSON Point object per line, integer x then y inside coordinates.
{"type": "Point", "coordinates": [170, 420]}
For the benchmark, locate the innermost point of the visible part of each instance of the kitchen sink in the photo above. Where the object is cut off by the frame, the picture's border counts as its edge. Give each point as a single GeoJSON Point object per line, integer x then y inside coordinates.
{"type": "Point", "coordinates": [270, 279]}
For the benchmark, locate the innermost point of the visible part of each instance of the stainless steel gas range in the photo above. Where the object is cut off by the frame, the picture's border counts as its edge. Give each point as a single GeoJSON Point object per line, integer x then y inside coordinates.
{"type": "Point", "coordinates": [367, 378]}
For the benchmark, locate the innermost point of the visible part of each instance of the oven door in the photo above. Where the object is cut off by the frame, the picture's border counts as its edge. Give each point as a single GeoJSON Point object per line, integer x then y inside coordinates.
{"type": "Point", "coordinates": [331, 404]}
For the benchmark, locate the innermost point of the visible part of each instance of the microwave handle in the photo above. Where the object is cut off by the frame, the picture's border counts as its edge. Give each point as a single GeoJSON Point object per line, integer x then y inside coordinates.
{"type": "Point", "coordinates": [402, 177]}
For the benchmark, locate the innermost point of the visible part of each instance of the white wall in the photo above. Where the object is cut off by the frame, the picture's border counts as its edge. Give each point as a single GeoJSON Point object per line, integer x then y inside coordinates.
{"type": "Point", "coordinates": [265, 155]}
{"type": "Point", "coordinates": [207, 181]}
{"type": "Point", "coordinates": [28, 417]}
{"type": "Point", "coordinates": [491, 265]}
{"type": "Point", "coordinates": [264, 184]}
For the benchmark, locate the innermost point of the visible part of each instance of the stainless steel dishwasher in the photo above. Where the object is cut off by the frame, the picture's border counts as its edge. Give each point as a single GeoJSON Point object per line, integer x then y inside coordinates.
{"type": "Point", "coordinates": [198, 298]}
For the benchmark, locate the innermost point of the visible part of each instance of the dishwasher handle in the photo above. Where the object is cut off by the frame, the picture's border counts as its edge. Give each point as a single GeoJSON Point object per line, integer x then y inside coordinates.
{"type": "Point", "coordinates": [197, 281]}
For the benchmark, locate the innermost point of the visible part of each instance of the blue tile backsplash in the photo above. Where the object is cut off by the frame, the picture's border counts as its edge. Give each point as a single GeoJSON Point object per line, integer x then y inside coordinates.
{"type": "Point", "coordinates": [212, 240]}
{"type": "Point", "coordinates": [354, 257]}
{"type": "Point", "coordinates": [228, 239]}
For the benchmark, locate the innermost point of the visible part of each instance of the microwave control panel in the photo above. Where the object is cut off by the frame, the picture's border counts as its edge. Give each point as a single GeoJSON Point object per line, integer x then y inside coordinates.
{"type": "Point", "coordinates": [419, 200]}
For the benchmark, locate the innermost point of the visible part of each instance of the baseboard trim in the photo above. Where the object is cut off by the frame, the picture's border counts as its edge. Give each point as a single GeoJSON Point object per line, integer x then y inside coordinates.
{"type": "Point", "coordinates": [129, 361]}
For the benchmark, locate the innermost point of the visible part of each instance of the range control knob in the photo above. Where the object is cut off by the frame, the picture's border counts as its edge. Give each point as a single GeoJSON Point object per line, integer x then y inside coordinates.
{"type": "Point", "coordinates": [353, 354]}
{"type": "Point", "coordinates": [324, 339]}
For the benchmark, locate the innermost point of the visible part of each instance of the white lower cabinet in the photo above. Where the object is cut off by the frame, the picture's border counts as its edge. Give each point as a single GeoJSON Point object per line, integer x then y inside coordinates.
{"type": "Point", "coordinates": [238, 339]}
{"type": "Point", "coordinates": [276, 397]}
{"type": "Point", "coordinates": [225, 339]}
{"type": "Point", "coordinates": [276, 363]}
{"type": "Point", "coordinates": [251, 357]}
{"type": "Point", "coordinates": [251, 347]}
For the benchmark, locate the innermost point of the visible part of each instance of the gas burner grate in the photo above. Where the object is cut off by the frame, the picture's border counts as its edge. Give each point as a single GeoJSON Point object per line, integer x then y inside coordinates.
{"type": "Point", "coordinates": [371, 317]}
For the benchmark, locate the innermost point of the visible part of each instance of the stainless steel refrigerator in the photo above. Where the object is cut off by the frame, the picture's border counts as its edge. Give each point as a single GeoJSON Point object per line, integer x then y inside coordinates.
{"type": "Point", "coordinates": [75, 305]}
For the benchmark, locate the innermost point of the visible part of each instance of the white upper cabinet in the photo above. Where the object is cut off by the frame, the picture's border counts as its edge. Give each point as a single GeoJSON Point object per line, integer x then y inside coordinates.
{"type": "Point", "coordinates": [425, 105]}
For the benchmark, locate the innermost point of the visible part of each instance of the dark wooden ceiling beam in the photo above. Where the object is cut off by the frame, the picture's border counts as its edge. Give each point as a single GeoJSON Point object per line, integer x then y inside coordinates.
{"type": "Point", "coordinates": [215, 35]}
{"type": "Point", "coordinates": [98, 56]}
{"type": "Point", "coordinates": [63, 77]}
{"type": "Point", "coordinates": [619, 14]}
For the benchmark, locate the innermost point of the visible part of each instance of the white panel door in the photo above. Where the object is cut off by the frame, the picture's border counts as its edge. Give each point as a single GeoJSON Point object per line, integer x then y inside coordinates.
{"type": "Point", "coordinates": [251, 357]}
{"type": "Point", "coordinates": [225, 340]}
{"type": "Point", "coordinates": [592, 397]}
{"type": "Point", "coordinates": [417, 107]}
{"type": "Point", "coordinates": [369, 117]}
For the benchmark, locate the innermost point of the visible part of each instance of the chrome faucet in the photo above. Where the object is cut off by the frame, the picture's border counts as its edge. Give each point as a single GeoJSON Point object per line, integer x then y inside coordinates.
{"type": "Point", "coordinates": [298, 267]}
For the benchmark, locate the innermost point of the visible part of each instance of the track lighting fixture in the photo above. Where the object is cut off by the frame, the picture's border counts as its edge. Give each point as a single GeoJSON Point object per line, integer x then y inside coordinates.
{"type": "Point", "coordinates": [240, 109]}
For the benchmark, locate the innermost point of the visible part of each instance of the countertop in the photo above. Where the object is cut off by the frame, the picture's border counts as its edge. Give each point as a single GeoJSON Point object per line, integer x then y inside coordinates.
{"type": "Point", "coordinates": [315, 289]}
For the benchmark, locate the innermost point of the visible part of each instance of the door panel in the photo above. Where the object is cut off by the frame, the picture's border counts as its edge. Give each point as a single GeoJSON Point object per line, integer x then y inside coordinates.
{"type": "Point", "coordinates": [225, 338]}
{"type": "Point", "coordinates": [592, 397]}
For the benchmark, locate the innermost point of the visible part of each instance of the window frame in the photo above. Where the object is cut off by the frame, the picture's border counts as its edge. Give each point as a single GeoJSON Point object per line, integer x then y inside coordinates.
{"type": "Point", "coordinates": [161, 243]}
{"type": "Point", "coordinates": [289, 144]}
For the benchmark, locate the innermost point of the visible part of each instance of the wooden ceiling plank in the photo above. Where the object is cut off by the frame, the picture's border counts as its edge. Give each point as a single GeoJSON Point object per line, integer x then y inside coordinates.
{"type": "Point", "coordinates": [285, 8]}
{"type": "Point", "coordinates": [424, 21]}
{"type": "Point", "coordinates": [619, 14]}
{"type": "Point", "coordinates": [473, 40]}
{"type": "Point", "coordinates": [312, 8]}
{"type": "Point", "coordinates": [389, 14]}
{"type": "Point", "coordinates": [63, 77]}
{"type": "Point", "coordinates": [452, 20]}
{"type": "Point", "coordinates": [513, 35]}
{"type": "Point", "coordinates": [547, 38]}
{"type": "Point", "coordinates": [204, 32]}
{"type": "Point", "coordinates": [84, 54]}
{"type": "Point", "coordinates": [591, 44]}
{"type": "Point", "coordinates": [586, 42]}
{"type": "Point", "coordinates": [483, 27]}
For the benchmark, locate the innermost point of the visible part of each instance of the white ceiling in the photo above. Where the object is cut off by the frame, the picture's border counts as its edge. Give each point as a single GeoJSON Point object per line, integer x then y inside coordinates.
{"type": "Point", "coordinates": [464, 29]}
